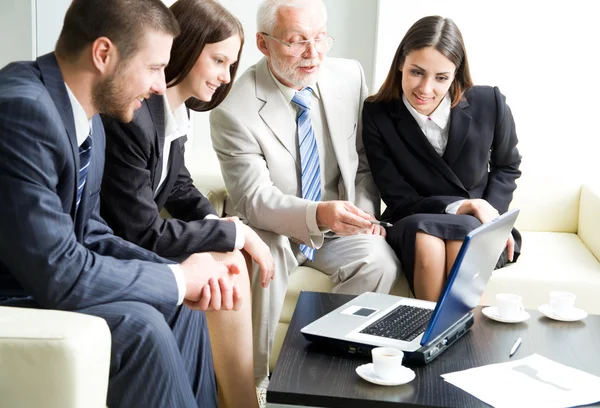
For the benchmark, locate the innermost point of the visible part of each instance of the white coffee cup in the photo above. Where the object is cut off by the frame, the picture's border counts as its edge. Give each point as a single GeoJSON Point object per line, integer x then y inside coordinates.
{"type": "Point", "coordinates": [509, 305]}
{"type": "Point", "coordinates": [562, 303]}
{"type": "Point", "coordinates": [387, 362]}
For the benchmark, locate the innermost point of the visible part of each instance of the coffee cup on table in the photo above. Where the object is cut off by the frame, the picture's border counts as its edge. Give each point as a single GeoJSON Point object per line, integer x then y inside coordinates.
{"type": "Point", "coordinates": [387, 362]}
{"type": "Point", "coordinates": [509, 305]}
{"type": "Point", "coordinates": [562, 303]}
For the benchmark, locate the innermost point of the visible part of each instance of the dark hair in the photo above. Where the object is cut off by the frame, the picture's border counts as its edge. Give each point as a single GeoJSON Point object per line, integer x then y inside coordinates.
{"type": "Point", "coordinates": [122, 21]}
{"type": "Point", "coordinates": [202, 22]}
{"type": "Point", "coordinates": [433, 31]}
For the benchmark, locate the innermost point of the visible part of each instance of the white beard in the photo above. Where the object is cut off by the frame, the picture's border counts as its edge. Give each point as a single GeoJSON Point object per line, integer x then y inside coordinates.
{"type": "Point", "coordinates": [291, 73]}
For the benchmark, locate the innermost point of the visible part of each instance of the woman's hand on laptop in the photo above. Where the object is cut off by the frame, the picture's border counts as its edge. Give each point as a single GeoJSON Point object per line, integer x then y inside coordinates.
{"type": "Point", "coordinates": [485, 212]}
{"type": "Point", "coordinates": [479, 208]}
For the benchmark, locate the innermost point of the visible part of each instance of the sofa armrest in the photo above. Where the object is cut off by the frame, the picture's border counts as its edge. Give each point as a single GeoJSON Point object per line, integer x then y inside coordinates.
{"type": "Point", "coordinates": [217, 197]}
{"type": "Point", "coordinates": [589, 222]}
{"type": "Point", "coordinates": [53, 359]}
{"type": "Point", "coordinates": [213, 188]}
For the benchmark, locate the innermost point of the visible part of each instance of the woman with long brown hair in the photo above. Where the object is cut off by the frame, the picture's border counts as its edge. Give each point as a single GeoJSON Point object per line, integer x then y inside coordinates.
{"type": "Point", "coordinates": [442, 152]}
{"type": "Point", "coordinates": [145, 172]}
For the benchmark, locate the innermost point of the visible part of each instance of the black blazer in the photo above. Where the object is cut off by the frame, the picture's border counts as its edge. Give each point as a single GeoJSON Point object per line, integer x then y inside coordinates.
{"type": "Point", "coordinates": [133, 169]}
{"type": "Point", "coordinates": [64, 259]}
{"type": "Point", "coordinates": [481, 158]}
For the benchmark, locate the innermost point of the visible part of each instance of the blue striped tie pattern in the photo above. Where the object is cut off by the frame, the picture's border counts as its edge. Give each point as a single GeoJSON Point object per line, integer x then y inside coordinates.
{"type": "Point", "coordinates": [85, 154]}
{"type": "Point", "coordinates": [309, 156]}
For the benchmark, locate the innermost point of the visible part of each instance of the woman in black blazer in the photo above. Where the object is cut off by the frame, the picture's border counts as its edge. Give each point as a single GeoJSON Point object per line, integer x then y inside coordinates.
{"type": "Point", "coordinates": [443, 153]}
{"type": "Point", "coordinates": [145, 172]}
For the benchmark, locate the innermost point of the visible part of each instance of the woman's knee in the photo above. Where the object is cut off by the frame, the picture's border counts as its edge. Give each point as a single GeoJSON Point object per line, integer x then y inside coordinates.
{"type": "Point", "coordinates": [429, 244]}
{"type": "Point", "coordinates": [234, 256]}
{"type": "Point", "coordinates": [239, 259]}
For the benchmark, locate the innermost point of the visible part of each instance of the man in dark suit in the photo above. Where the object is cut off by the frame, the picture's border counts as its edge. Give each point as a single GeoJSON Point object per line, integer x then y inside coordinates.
{"type": "Point", "coordinates": [55, 249]}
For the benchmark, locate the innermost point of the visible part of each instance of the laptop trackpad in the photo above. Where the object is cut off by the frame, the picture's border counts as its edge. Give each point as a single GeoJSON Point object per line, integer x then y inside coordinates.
{"type": "Point", "coordinates": [360, 311]}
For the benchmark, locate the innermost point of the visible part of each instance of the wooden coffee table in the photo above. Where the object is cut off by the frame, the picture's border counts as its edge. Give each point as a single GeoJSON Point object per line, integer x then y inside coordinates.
{"type": "Point", "coordinates": [313, 376]}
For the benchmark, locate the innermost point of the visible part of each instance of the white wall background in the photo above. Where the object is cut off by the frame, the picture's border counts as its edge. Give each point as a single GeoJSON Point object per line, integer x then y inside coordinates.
{"type": "Point", "coordinates": [50, 16]}
{"type": "Point", "coordinates": [17, 30]}
{"type": "Point", "coordinates": [541, 54]}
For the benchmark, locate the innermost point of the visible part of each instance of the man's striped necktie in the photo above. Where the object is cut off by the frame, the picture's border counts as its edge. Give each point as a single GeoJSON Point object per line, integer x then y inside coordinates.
{"type": "Point", "coordinates": [85, 154]}
{"type": "Point", "coordinates": [309, 156]}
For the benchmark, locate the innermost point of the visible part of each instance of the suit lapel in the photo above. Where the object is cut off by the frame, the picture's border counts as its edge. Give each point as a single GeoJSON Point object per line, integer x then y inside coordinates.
{"type": "Point", "coordinates": [336, 118]}
{"type": "Point", "coordinates": [282, 125]}
{"type": "Point", "coordinates": [54, 82]}
{"type": "Point", "coordinates": [460, 121]}
{"type": "Point", "coordinates": [413, 135]}
{"type": "Point", "coordinates": [157, 113]}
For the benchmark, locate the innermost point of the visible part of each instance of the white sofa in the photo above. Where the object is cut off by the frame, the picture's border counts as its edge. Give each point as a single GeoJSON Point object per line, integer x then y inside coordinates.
{"type": "Point", "coordinates": [60, 359]}
{"type": "Point", "coordinates": [561, 245]}
{"type": "Point", "coordinates": [53, 359]}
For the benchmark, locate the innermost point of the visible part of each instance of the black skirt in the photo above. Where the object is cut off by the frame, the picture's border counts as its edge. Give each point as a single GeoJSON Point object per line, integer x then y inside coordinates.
{"type": "Point", "coordinates": [402, 235]}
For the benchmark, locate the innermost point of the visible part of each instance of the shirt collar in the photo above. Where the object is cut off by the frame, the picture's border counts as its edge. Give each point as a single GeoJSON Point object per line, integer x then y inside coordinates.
{"type": "Point", "coordinates": [288, 93]}
{"type": "Point", "coordinates": [177, 122]}
{"type": "Point", "coordinates": [440, 116]}
{"type": "Point", "coordinates": [83, 125]}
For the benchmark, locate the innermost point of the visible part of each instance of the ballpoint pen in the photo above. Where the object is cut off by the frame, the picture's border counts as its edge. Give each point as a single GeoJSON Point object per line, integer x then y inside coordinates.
{"type": "Point", "coordinates": [382, 223]}
{"type": "Point", "coordinates": [515, 347]}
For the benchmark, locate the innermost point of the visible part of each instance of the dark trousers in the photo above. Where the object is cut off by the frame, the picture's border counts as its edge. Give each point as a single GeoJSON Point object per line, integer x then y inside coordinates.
{"type": "Point", "coordinates": [156, 361]}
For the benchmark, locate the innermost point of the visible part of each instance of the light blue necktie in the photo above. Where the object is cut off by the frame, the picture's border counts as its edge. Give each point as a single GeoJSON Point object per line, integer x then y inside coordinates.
{"type": "Point", "coordinates": [309, 156]}
{"type": "Point", "coordinates": [85, 154]}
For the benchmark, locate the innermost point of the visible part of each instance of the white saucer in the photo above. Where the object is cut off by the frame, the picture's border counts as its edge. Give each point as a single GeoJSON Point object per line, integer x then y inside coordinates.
{"type": "Point", "coordinates": [365, 372]}
{"type": "Point", "coordinates": [575, 314]}
{"type": "Point", "coordinates": [492, 313]}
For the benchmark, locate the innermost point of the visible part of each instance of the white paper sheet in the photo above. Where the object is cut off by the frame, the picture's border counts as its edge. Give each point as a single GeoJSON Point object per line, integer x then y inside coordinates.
{"type": "Point", "coordinates": [533, 381]}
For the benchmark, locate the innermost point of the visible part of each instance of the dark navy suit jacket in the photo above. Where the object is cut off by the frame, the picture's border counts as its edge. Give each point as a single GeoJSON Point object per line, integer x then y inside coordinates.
{"type": "Point", "coordinates": [65, 260]}
{"type": "Point", "coordinates": [134, 158]}
{"type": "Point", "coordinates": [481, 159]}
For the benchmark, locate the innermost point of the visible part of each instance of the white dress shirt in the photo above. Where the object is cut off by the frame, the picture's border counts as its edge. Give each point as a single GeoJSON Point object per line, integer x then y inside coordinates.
{"type": "Point", "coordinates": [330, 171]}
{"type": "Point", "coordinates": [83, 126]}
{"type": "Point", "coordinates": [436, 128]}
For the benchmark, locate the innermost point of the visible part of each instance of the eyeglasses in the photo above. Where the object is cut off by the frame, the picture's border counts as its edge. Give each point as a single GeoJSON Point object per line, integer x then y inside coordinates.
{"type": "Point", "coordinates": [298, 48]}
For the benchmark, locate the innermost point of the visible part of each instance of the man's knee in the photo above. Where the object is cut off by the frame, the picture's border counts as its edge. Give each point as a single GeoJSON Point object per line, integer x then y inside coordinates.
{"type": "Point", "coordinates": [138, 320]}
{"type": "Point", "coordinates": [378, 264]}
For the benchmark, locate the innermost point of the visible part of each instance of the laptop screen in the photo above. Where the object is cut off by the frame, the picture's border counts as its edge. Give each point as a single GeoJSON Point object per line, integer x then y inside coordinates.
{"type": "Point", "coordinates": [470, 273]}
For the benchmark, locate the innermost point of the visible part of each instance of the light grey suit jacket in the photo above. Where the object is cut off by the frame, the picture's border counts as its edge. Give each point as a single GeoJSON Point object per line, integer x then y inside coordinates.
{"type": "Point", "coordinates": [256, 142]}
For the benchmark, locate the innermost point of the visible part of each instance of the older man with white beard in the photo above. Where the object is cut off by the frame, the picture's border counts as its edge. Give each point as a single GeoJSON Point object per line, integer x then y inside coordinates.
{"type": "Point", "coordinates": [288, 138]}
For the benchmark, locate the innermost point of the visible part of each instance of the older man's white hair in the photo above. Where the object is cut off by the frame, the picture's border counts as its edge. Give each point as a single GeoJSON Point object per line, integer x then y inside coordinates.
{"type": "Point", "coordinates": [266, 15]}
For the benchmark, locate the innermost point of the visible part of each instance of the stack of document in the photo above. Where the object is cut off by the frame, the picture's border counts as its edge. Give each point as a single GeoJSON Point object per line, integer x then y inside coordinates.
{"type": "Point", "coordinates": [534, 381]}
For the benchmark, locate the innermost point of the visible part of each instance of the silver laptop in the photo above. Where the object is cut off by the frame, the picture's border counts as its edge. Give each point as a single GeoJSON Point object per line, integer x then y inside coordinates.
{"type": "Point", "coordinates": [422, 329]}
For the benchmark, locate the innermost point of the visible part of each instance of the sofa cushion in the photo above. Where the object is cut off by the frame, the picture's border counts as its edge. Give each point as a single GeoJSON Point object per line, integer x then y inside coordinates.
{"type": "Point", "coordinates": [550, 261]}
{"type": "Point", "coordinates": [542, 208]}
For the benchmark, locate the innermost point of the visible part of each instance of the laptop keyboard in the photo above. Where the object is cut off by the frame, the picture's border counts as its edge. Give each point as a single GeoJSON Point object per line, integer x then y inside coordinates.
{"type": "Point", "coordinates": [403, 323]}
